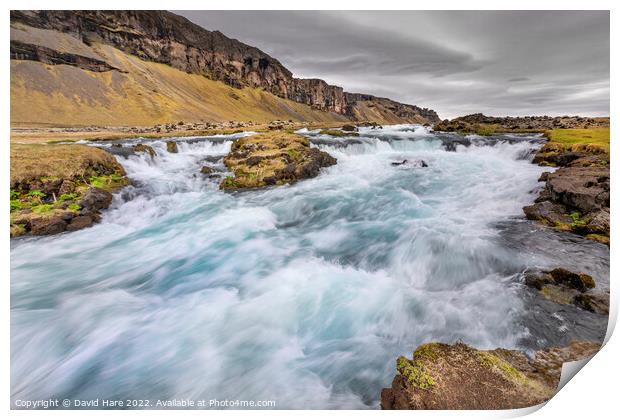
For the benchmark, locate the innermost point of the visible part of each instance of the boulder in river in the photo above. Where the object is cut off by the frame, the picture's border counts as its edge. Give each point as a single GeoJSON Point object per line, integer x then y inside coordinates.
{"type": "Point", "coordinates": [568, 288]}
{"type": "Point", "coordinates": [273, 159]}
{"type": "Point", "coordinates": [172, 147]}
{"type": "Point", "coordinates": [143, 148]}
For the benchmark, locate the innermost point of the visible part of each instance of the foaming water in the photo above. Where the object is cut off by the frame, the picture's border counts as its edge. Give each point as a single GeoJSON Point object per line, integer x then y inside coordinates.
{"type": "Point", "coordinates": [302, 294]}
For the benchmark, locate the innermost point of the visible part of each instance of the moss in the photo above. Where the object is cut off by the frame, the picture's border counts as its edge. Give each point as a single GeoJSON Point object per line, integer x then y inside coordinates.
{"type": "Point", "coordinates": [16, 205]}
{"type": "Point", "coordinates": [36, 194]}
{"type": "Point", "coordinates": [415, 372]}
{"type": "Point", "coordinates": [108, 182]}
{"type": "Point", "coordinates": [42, 208]}
{"type": "Point", "coordinates": [598, 238]}
{"type": "Point", "coordinates": [229, 182]}
{"type": "Point", "coordinates": [294, 154]}
{"type": "Point", "coordinates": [491, 361]}
{"type": "Point", "coordinates": [17, 230]}
{"type": "Point", "coordinates": [426, 351]}
{"type": "Point", "coordinates": [74, 207]}
{"type": "Point", "coordinates": [67, 197]}
{"type": "Point", "coordinates": [14, 195]}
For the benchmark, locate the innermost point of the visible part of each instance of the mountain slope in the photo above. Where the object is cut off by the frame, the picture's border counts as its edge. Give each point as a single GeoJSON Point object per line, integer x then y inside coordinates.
{"type": "Point", "coordinates": [122, 55]}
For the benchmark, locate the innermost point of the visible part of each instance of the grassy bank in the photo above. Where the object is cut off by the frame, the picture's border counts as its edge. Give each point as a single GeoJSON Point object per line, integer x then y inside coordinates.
{"type": "Point", "coordinates": [578, 138]}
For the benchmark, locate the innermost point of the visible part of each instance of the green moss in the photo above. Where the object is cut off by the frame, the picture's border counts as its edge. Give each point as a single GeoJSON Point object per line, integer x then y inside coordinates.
{"type": "Point", "coordinates": [578, 222]}
{"type": "Point", "coordinates": [36, 194]}
{"type": "Point", "coordinates": [229, 182]}
{"type": "Point", "coordinates": [16, 205]}
{"type": "Point", "coordinates": [491, 361]}
{"type": "Point", "coordinates": [598, 238]}
{"type": "Point", "coordinates": [294, 154]}
{"type": "Point", "coordinates": [426, 351]}
{"type": "Point", "coordinates": [14, 195]}
{"type": "Point", "coordinates": [42, 208]}
{"type": "Point", "coordinates": [108, 182]}
{"type": "Point", "coordinates": [67, 197]}
{"type": "Point", "coordinates": [415, 372]}
{"type": "Point", "coordinates": [74, 207]}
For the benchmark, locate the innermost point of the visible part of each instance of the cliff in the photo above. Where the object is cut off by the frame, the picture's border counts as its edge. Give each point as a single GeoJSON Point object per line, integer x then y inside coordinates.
{"type": "Point", "coordinates": [80, 38]}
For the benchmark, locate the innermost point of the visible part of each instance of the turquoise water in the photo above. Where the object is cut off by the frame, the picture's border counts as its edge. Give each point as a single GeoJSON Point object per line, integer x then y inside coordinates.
{"type": "Point", "coordinates": [301, 294]}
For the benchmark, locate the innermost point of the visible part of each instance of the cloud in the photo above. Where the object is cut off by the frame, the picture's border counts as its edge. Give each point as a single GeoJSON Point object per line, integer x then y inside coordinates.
{"type": "Point", "coordinates": [456, 62]}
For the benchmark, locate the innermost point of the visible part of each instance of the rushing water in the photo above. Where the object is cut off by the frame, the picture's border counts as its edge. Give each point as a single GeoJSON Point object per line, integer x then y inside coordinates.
{"type": "Point", "coordinates": [302, 294]}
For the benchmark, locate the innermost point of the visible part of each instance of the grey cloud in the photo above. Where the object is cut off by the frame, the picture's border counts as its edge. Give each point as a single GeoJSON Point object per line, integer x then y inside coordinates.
{"type": "Point", "coordinates": [456, 62]}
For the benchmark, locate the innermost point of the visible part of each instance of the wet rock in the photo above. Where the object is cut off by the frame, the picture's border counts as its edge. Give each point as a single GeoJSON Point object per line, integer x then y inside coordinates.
{"type": "Point", "coordinates": [349, 127]}
{"type": "Point", "coordinates": [95, 199]}
{"type": "Point", "coordinates": [47, 225]}
{"type": "Point", "coordinates": [143, 148]}
{"type": "Point", "coordinates": [460, 377]}
{"type": "Point", "coordinates": [399, 163]}
{"type": "Point", "coordinates": [567, 288]}
{"type": "Point", "coordinates": [80, 222]}
{"type": "Point", "coordinates": [578, 281]}
{"type": "Point", "coordinates": [548, 212]}
{"type": "Point", "coordinates": [206, 170]}
{"type": "Point", "coordinates": [597, 303]}
{"type": "Point", "coordinates": [172, 147]}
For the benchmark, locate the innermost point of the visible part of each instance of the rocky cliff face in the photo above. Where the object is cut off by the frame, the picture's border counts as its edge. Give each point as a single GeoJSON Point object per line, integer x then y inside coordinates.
{"type": "Point", "coordinates": [164, 37]}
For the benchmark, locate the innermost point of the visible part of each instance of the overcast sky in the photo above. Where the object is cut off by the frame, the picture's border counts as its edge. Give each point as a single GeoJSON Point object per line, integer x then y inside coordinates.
{"type": "Point", "coordinates": [457, 63]}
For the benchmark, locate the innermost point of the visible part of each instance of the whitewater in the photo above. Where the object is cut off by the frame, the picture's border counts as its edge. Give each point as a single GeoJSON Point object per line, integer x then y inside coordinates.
{"type": "Point", "coordinates": [303, 294]}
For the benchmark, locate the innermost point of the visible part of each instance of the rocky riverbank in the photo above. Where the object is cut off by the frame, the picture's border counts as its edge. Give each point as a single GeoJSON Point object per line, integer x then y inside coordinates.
{"type": "Point", "coordinates": [487, 125]}
{"type": "Point", "coordinates": [273, 159]}
{"type": "Point", "coordinates": [459, 377]}
{"type": "Point", "coordinates": [575, 197]}
{"type": "Point", "coordinates": [57, 188]}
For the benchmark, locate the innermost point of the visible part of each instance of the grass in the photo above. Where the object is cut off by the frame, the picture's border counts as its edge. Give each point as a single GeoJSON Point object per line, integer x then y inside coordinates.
{"type": "Point", "coordinates": [77, 162]}
{"type": "Point", "coordinates": [570, 137]}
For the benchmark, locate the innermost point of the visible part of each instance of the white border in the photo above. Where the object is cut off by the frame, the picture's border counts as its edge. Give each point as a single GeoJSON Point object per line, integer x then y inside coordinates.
{"type": "Point", "coordinates": [592, 394]}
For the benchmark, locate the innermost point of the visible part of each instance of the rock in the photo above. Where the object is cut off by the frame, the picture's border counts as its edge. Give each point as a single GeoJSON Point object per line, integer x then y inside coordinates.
{"type": "Point", "coordinates": [551, 213]}
{"type": "Point", "coordinates": [581, 282]}
{"type": "Point", "coordinates": [143, 148]}
{"type": "Point", "coordinates": [399, 163]}
{"type": "Point", "coordinates": [349, 127]}
{"type": "Point", "coordinates": [273, 159]}
{"type": "Point", "coordinates": [459, 377]}
{"type": "Point", "coordinates": [67, 187]}
{"type": "Point", "coordinates": [47, 225]}
{"type": "Point", "coordinates": [206, 170]}
{"type": "Point", "coordinates": [599, 222]}
{"type": "Point", "coordinates": [95, 199]}
{"type": "Point", "coordinates": [565, 288]}
{"type": "Point", "coordinates": [172, 147]}
{"type": "Point", "coordinates": [584, 189]}
{"type": "Point", "coordinates": [597, 303]}
{"type": "Point", "coordinates": [80, 222]}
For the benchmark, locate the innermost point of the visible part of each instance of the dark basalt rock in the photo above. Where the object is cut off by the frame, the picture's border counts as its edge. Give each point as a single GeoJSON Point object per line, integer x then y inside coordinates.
{"type": "Point", "coordinates": [567, 288]}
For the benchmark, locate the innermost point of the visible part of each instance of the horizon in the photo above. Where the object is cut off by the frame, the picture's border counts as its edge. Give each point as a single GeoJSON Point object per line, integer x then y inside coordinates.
{"type": "Point", "coordinates": [461, 62]}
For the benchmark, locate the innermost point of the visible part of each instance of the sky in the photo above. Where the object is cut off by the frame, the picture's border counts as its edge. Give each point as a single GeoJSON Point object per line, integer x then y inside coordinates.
{"type": "Point", "coordinates": [455, 62]}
